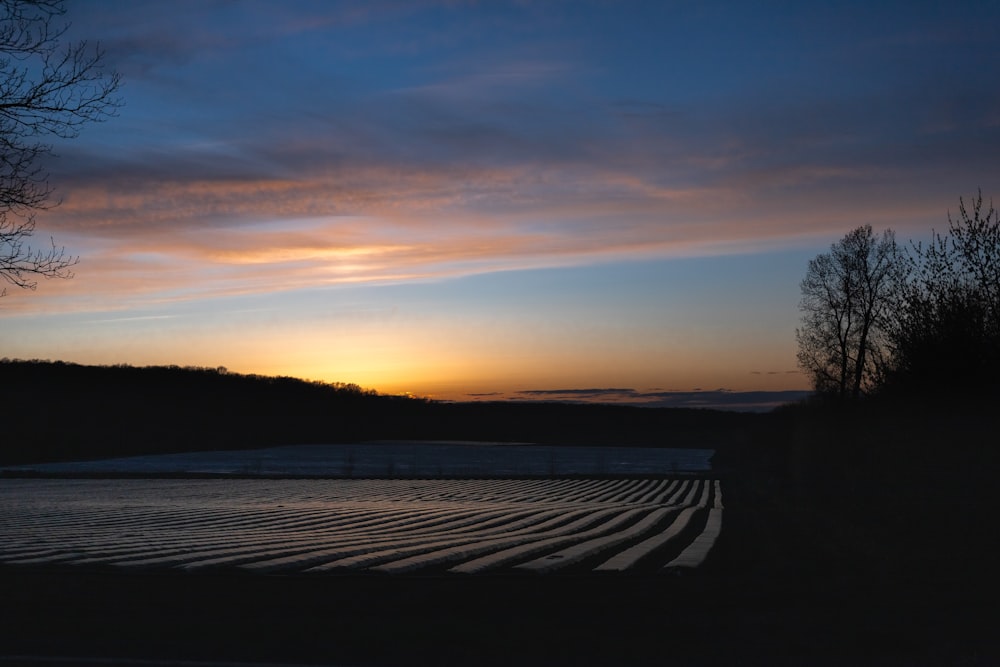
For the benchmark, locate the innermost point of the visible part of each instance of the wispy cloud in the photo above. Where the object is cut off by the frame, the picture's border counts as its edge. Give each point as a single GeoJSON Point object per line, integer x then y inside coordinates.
{"type": "Point", "coordinates": [718, 399]}
{"type": "Point", "coordinates": [302, 149]}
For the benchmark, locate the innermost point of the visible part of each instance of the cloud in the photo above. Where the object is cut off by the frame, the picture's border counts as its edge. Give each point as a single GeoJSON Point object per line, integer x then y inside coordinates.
{"type": "Point", "coordinates": [719, 399]}
{"type": "Point", "coordinates": [604, 394]}
{"type": "Point", "coordinates": [302, 149]}
{"type": "Point", "coordinates": [218, 223]}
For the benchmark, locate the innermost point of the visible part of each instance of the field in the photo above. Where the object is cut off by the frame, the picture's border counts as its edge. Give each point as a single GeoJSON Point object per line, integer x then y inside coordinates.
{"type": "Point", "coordinates": [391, 526]}
{"type": "Point", "coordinates": [214, 558]}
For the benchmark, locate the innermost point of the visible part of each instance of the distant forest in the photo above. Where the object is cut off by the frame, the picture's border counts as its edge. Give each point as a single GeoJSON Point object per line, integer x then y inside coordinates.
{"type": "Point", "coordinates": [64, 411]}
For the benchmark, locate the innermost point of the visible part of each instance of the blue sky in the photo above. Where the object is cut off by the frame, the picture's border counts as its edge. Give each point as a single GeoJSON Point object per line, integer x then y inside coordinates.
{"type": "Point", "coordinates": [455, 199]}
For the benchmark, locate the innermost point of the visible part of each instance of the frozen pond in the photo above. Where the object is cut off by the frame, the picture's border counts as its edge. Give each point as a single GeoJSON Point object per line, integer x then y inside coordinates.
{"type": "Point", "coordinates": [401, 459]}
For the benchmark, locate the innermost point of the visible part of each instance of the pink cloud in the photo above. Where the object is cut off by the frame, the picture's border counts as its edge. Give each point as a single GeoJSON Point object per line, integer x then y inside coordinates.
{"type": "Point", "coordinates": [175, 234]}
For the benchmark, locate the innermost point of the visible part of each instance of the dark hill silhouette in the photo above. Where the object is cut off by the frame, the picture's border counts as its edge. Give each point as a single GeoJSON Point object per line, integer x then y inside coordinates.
{"type": "Point", "coordinates": [65, 411]}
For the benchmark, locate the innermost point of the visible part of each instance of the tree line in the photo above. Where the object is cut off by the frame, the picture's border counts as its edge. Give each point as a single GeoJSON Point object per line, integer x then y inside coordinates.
{"type": "Point", "coordinates": [882, 317]}
{"type": "Point", "coordinates": [68, 411]}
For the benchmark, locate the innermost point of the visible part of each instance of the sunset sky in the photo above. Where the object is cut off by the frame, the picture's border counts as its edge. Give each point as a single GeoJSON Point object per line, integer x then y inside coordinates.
{"type": "Point", "coordinates": [498, 199]}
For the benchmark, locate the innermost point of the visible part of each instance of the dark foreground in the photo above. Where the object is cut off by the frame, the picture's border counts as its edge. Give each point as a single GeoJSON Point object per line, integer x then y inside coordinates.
{"type": "Point", "coordinates": [835, 570]}
{"type": "Point", "coordinates": [698, 618]}
{"type": "Point", "coordinates": [860, 536]}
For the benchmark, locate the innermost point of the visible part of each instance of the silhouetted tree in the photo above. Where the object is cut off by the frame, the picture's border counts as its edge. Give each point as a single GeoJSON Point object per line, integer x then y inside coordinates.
{"type": "Point", "coordinates": [947, 330]}
{"type": "Point", "coordinates": [847, 298]}
{"type": "Point", "coordinates": [46, 90]}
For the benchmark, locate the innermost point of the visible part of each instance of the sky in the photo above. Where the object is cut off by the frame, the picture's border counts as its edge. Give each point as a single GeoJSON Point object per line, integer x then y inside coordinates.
{"type": "Point", "coordinates": [608, 201]}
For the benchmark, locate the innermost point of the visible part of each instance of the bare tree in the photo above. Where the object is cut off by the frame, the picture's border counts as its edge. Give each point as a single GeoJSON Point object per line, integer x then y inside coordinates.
{"type": "Point", "coordinates": [47, 90]}
{"type": "Point", "coordinates": [947, 333]}
{"type": "Point", "coordinates": [847, 305]}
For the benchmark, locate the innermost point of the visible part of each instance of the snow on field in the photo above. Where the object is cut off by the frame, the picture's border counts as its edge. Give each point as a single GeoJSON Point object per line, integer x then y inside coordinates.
{"type": "Point", "coordinates": [402, 459]}
{"type": "Point", "coordinates": [461, 526]}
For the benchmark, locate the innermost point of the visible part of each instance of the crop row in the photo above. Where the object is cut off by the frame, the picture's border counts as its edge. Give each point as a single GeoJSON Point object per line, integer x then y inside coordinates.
{"type": "Point", "coordinates": [391, 526]}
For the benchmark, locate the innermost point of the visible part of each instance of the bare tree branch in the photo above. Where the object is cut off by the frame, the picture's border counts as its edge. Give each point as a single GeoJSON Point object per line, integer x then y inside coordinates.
{"type": "Point", "coordinates": [847, 299]}
{"type": "Point", "coordinates": [47, 90]}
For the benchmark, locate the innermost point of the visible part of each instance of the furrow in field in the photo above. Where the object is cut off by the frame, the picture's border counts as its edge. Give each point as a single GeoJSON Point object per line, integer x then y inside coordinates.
{"type": "Point", "coordinates": [607, 492]}
{"type": "Point", "coordinates": [323, 556]}
{"type": "Point", "coordinates": [553, 522]}
{"type": "Point", "coordinates": [528, 491]}
{"type": "Point", "coordinates": [180, 557]}
{"type": "Point", "coordinates": [696, 552]}
{"type": "Point", "coordinates": [676, 497]}
{"type": "Point", "coordinates": [58, 557]}
{"type": "Point", "coordinates": [703, 498]}
{"type": "Point", "coordinates": [186, 541]}
{"type": "Point", "coordinates": [467, 552]}
{"type": "Point", "coordinates": [584, 491]}
{"type": "Point", "coordinates": [125, 519]}
{"type": "Point", "coordinates": [582, 550]}
{"type": "Point", "coordinates": [386, 525]}
{"type": "Point", "coordinates": [663, 496]}
{"type": "Point", "coordinates": [628, 558]}
{"type": "Point", "coordinates": [612, 519]}
{"type": "Point", "coordinates": [245, 547]}
{"type": "Point", "coordinates": [561, 523]}
{"type": "Point", "coordinates": [692, 493]}
{"type": "Point", "coordinates": [183, 551]}
{"type": "Point", "coordinates": [539, 491]}
{"type": "Point", "coordinates": [158, 536]}
{"type": "Point", "coordinates": [152, 534]}
{"type": "Point", "coordinates": [519, 491]}
{"type": "Point", "coordinates": [421, 547]}
{"type": "Point", "coordinates": [645, 492]}
{"type": "Point", "coordinates": [208, 520]}
{"type": "Point", "coordinates": [498, 490]}
{"type": "Point", "coordinates": [192, 539]}
{"type": "Point", "coordinates": [282, 557]}
{"type": "Point", "coordinates": [629, 491]}
{"type": "Point", "coordinates": [443, 492]}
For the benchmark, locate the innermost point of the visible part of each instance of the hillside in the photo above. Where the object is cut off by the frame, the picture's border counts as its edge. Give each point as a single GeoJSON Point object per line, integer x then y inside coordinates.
{"type": "Point", "coordinates": [68, 411]}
